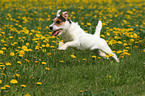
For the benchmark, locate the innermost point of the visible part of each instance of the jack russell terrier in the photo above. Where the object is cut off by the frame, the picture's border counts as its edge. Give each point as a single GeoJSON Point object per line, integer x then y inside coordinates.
{"type": "Point", "coordinates": [74, 36]}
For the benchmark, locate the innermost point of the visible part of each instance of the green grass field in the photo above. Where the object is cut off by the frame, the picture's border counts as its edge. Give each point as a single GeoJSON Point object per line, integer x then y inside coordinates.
{"type": "Point", "coordinates": [31, 64]}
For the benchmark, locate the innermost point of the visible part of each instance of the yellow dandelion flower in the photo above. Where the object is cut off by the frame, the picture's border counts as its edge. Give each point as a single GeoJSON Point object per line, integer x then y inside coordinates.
{"type": "Point", "coordinates": [48, 54]}
{"type": "Point", "coordinates": [3, 87]}
{"type": "Point", "coordinates": [4, 48]}
{"type": "Point", "coordinates": [84, 59]}
{"type": "Point", "coordinates": [110, 55]}
{"type": "Point", "coordinates": [124, 44]}
{"type": "Point", "coordinates": [47, 68]}
{"type": "Point", "coordinates": [27, 44]}
{"type": "Point", "coordinates": [108, 34]}
{"type": "Point", "coordinates": [0, 81]}
{"type": "Point", "coordinates": [94, 56]}
{"type": "Point", "coordinates": [27, 95]}
{"type": "Point", "coordinates": [47, 45]}
{"type": "Point", "coordinates": [73, 56]}
{"type": "Point", "coordinates": [102, 36]}
{"type": "Point", "coordinates": [18, 75]}
{"type": "Point", "coordinates": [131, 40]}
{"type": "Point", "coordinates": [119, 42]}
{"type": "Point", "coordinates": [19, 62]}
{"type": "Point", "coordinates": [1, 52]}
{"type": "Point", "coordinates": [127, 47]}
{"type": "Point", "coordinates": [88, 23]}
{"type": "Point", "coordinates": [44, 63]}
{"type": "Point", "coordinates": [99, 57]}
{"type": "Point", "coordinates": [8, 63]}
{"type": "Point", "coordinates": [11, 37]}
{"type": "Point", "coordinates": [118, 51]}
{"type": "Point", "coordinates": [61, 61]}
{"type": "Point", "coordinates": [7, 86]}
{"type": "Point", "coordinates": [3, 74]}
{"type": "Point", "coordinates": [12, 54]}
{"type": "Point", "coordinates": [23, 85]}
{"type": "Point", "coordinates": [39, 83]}
{"type": "Point", "coordinates": [107, 56]}
{"type": "Point", "coordinates": [13, 81]}
{"type": "Point", "coordinates": [51, 46]}
{"type": "Point", "coordinates": [136, 46]}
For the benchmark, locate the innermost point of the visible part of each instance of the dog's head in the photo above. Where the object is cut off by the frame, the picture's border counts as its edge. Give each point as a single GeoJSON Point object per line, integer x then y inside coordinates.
{"type": "Point", "coordinates": [60, 23]}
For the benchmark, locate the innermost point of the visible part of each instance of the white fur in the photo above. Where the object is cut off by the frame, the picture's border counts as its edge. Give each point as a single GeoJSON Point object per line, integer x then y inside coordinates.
{"type": "Point", "coordinates": [74, 36]}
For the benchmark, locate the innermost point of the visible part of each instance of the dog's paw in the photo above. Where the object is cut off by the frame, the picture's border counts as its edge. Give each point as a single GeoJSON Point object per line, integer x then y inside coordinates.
{"type": "Point", "coordinates": [62, 48]}
{"type": "Point", "coordinates": [61, 44]}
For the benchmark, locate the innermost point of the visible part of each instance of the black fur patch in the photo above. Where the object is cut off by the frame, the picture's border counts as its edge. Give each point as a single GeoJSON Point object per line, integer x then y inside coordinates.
{"type": "Point", "coordinates": [62, 18]}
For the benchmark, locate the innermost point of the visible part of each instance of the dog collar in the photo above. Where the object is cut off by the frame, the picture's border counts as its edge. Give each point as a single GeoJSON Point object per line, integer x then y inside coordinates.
{"type": "Point", "coordinates": [69, 21]}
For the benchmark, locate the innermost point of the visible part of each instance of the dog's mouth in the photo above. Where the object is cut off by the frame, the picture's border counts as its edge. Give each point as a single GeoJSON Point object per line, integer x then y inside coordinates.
{"type": "Point", "coordinates": [56, 32]}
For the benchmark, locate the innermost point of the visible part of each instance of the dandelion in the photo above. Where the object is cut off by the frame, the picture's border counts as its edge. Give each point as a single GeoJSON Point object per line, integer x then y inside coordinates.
{"type": "Point", "coordinates": [7, 86]}
{"type": "Point", "coordinates": [99, 57]}
{"type": "Point", "coordinates": [0, 81]}
{"type": "Point", "coordinates": [19, 62]}
{"type": "Point", "coordinates": [3, 87]}
{"type": "Point", "coordinates": [109, 76]}
{"type": "Point", "coordinates": [136, 46]}
{"type": "Point", "coordinates": [119, 42]}
{"type": "Point", "coordinates": [23, 85]}
{"type": "Point", "coordinates": [110, 55]}
{"type": "Point", "coordinates": [47, 68]}
{"type": "Point", "coordinates": [8, 63]}
{"type": "Point", "coordinates": [124, 44]}
{"type": "Point", "coordinates": [12, 54]}
{"type": "Point", "coordinates": [44, 63]}
{"type": "Point", "coordinates": [119, 51]}
{"type": "Point", "coordinates": [61, 61]}
{"type": "Point", "coordinates": [39, 83]}
{"type": "Point", "coordinates": [73, 56]}
{"type": "Point", "coordinates": [13, 81]}
{"type": "Point", "coordinates": [48, 54]}
{"type": "Point", "coordinates": [27, 95]}
{"type": "Point", "coordinates": [108, 34]}
{"type": "Point", "coordinates": [89, 24]}
{"type": "Point", "coordinates": [11, 37]}
{"type": "Point", "coordinates": [18, 75]}
{"type": "Point", "coordinates": [94, 56]}
{"type": "Point", "coordinates": [84, 59]}
{"type": "Point", "coordinates": [107, 56]}
{"type": "Point", "coordinates": [1, 52]}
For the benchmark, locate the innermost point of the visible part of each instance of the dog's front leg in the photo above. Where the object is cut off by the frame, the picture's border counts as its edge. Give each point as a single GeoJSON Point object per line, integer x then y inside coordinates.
{"type": "Point", "coordinates": [60, 44]}
{"type": "Point", "coordinates": [67, 44]}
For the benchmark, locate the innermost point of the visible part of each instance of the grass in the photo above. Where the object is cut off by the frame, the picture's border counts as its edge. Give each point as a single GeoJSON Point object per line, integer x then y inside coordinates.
{"type": "Point", "coordinates": [31, 65]}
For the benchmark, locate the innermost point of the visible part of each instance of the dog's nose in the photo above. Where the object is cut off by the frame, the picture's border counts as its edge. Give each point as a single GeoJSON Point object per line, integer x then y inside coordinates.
{"type": "Point", "coordinates": [50, 28]}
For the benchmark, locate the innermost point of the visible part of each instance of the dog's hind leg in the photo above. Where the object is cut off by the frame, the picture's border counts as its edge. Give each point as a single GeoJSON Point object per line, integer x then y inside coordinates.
{"type": "Point", "coordinates": [102, 54]}
{"type": "Point", "coordinates": [109, 51]}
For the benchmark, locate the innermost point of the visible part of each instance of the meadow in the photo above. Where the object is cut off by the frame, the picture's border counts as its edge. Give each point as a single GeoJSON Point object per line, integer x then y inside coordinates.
{"type": "Point", "coordinates": [31, 64]}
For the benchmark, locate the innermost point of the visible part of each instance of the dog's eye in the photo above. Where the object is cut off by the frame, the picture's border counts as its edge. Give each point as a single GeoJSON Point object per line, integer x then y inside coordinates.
{"type": "Point", "coordinates": [58, 22]}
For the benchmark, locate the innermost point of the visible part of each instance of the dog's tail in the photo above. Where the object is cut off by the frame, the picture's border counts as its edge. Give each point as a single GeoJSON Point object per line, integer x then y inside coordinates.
{"type": "Point", "coordinates": [98, 28]}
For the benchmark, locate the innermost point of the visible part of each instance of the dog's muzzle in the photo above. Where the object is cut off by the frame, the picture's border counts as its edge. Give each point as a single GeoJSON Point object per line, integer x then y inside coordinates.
{"type": "Point", "coordinates": [56, 32]}
{"type": "Point", "coordinates": [50, 28]}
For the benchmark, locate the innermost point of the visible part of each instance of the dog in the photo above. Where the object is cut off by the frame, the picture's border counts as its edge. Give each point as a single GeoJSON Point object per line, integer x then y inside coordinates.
{"type": "Point", "coordinates": [74, 36]}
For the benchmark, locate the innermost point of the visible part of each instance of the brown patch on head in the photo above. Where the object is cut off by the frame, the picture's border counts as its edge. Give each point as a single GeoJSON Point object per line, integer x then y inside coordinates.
{"type": "Point", "coordinates": [65, 15]}
{"type": "Point", "coordinates": [59, 20]}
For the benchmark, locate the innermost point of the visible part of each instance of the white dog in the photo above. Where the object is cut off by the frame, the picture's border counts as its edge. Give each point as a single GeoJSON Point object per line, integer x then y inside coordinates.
{"type": "Point", "coordinates": [74, 36]}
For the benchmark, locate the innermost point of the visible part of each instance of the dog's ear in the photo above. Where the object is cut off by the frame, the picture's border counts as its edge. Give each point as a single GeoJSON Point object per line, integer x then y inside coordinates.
{"type": "Point", "coordinates": [65, 15]}
{"type": "Point", "coordinates": [58, 13]}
